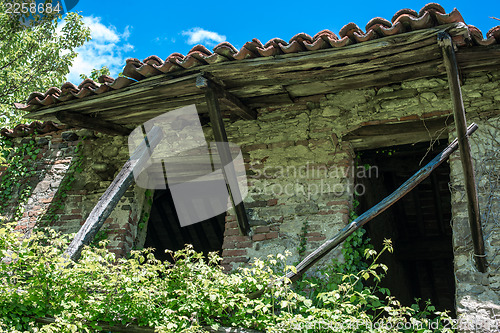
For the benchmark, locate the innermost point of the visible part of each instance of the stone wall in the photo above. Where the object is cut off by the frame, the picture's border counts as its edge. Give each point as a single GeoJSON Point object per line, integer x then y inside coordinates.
{"type": "Point", "coordinates": [65, 204]}
{"type": "Point", "coordinates": [50, 165]}
{"type": "Point", "coordinates": [298, 185]}
{"type": "Point", "coordinates": [477, 294]}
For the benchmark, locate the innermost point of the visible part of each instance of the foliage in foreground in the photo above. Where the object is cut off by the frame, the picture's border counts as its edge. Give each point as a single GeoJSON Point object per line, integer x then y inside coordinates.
{"type": "Point", "coordinates": [186, 296]}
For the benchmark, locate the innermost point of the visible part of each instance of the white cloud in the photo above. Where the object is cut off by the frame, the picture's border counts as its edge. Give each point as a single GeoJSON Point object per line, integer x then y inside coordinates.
{"type": "Point", "coordinates": [199, 35]}
{"type": "Point", "coordinates": [106, 48]}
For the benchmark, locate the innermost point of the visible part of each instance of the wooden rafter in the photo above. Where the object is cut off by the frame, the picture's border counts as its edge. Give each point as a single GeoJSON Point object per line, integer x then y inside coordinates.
{"type": "Point", "coordinates": [450, 62]}
{"type": "Point", "coordinates": [227, 98]}
{"type": "Point", "coordinates": [212, 93]}
{"type": "Point", "coordinates": [97, 124]}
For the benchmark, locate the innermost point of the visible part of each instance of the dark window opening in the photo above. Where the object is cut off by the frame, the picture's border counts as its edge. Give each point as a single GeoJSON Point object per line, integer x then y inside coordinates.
{"type": "Point", "coordinates": [165, 232]}
{"type": "Point", "coordinates": [419, 224]}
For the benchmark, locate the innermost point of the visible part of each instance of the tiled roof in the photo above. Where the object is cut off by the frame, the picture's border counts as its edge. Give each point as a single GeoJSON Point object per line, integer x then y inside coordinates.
{"type": "Point", "coordinates": [403, 21]}
{"type": "Point", "coordinates": [22, 130]}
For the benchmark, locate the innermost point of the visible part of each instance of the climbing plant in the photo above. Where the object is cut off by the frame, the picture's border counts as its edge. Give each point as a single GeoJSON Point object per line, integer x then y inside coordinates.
{"type": "Point", "coordinates": [15, 188]}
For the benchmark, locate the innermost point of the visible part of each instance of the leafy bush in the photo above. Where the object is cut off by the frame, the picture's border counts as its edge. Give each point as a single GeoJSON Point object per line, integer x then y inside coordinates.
{"type": "Point", "coordinates": [189, 295]}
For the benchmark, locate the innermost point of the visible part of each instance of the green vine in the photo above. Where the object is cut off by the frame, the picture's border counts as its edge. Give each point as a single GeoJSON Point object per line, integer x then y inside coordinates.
{"type": "Point", "coordinates": [355, 260]}
{"type": "Point", "coordinates": [302, 239]}
{"type": "Point", "coordinates": [355, 246]}
{"type": "Point", "coordinates": [145, 213]}
{"type": "Point", "coordinates": [15, 179]}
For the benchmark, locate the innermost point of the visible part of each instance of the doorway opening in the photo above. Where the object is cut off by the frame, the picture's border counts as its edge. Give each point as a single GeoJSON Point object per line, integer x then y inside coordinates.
{"type": "Point", "coordinates": [165, 232]}
{"type": "Point", "coordinates": [419, 224]}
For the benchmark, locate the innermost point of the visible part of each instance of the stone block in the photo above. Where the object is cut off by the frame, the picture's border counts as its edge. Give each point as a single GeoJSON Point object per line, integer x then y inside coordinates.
{"type": "Point", "coordinates": [331, 111]}
{"type": "Point", "coordinates": [306, 208]}
{"type": "Point", "coordinates": [398, 104]}
{"type": "Point", "coordinates": [69, 136]}
{"type": "Point", "coordinates": [423, 84]}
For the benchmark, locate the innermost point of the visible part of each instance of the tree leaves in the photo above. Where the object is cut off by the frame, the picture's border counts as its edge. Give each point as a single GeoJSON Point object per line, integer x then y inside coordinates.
{"type": "Point", "coordinates": [35, 58]}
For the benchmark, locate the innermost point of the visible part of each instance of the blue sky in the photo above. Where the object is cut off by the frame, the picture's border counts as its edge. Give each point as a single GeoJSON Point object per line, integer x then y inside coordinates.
{"type": "Point", "coordinates": [126, 29]}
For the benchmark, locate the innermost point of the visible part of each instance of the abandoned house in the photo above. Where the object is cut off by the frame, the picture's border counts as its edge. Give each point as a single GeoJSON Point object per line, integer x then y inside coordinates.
{"type": "Point", "coordinates": [321, 121]}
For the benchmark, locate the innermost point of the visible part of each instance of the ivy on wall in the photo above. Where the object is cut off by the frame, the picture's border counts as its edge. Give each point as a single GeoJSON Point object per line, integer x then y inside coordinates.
{"type": "Point", "coordinates": [16, 187]}
{"type": "Point", "coordinates": [15, 179]}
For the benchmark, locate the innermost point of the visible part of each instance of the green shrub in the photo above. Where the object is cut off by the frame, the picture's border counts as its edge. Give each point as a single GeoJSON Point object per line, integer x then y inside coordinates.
{"type": "Point", "coordinates": [186, 296]}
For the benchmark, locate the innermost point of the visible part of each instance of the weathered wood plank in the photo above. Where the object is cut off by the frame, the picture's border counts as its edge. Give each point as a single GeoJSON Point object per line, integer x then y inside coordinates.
{"type": "Point", "coordinates": [465, 154]}
{"type": "Point", "coordinates": [110, 198]}
{"type": "Point", "coordinates": [478, 58]}
{"type": "Point", "coordinates": [152, 108]}
{"type": "Point", "coordinates": [220, 136]}
{"type": "Point", "coordinates": [340, 68]}
{"type": "Point", "coordinates": [80, 120]}
{"type": "Point", "coordinates": [379, 77]}
{"type": "Point", "coordinates": [375, 136]}
{"type": "Point", "coordinates": [241, 71]}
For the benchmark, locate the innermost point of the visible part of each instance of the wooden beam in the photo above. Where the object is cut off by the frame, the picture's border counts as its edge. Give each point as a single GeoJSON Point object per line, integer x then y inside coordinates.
{"type": "Point", "coordinates": [376, 136]}
{"type": "Point", "coordinates": [80, 120]}
{"type": "Point", "coordinates": [227, 98]}
{"type": "Point", "coordinates": [478, 58]}
{"type": "Point", "coordinates": [222, 148]}
{"type": "Point", "coordinates": [115, 191]}
{"type": "Point", "coordinates": [141, 92]}
{"type": "Point", "coordinates": [450, 62]}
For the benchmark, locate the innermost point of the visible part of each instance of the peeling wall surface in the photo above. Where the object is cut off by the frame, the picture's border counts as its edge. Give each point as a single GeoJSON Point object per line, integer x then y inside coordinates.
{"type": "Point", "coordinates": [301, 177]}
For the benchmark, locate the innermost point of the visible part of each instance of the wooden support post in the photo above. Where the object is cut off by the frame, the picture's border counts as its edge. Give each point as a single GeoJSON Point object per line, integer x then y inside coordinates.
{"type": "Point", "coordinates": [84, 121]}
{"type": "Point", "coordinates": [220, 136]}
{"type": "Point", "coordinates": [364, 218]}
{"type": "Point", "coordinates": [115, 191]}
{"type": "Point", "coordinates": [450, 62]}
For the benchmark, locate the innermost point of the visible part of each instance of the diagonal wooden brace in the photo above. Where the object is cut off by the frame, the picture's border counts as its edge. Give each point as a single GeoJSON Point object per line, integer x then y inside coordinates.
{"type": "Point", "coordinates": [115, 191]}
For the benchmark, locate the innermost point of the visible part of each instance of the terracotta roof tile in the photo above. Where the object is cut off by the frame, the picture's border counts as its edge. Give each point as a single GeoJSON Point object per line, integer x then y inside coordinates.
{"type": "Point", "coordinates": [28, 129]}
{"type": "Point", "coordinates": [404, 11]}
{"type": "Point", "coordinates": [272, 47]}
{"type": "Point", "coordinates": [432, 8]}
{"type": "Point", "coordinates": [405, 20]}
